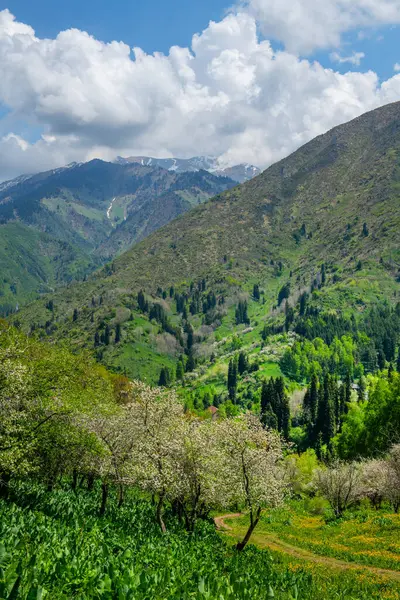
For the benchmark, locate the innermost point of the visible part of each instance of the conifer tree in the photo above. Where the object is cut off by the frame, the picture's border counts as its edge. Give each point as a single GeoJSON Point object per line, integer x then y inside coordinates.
{"type": "Point", "coordinates": [75, 315]}
{"type": "Point", "coordinates": [326, 410]}
{"type": "Point", "coordinates": [180, 370]}
{"type": "Point", "coordinates": [165, 377]}
{"type": "Point", "coordinates": [256, 292]}
{"type": "Point", "coordinates": [232, 379]}
{"type": "Point", "coordinates": [314, 398]}
{"type": "Point", "coordinates": [141, 301]}
{"type": "Point", "coordinates": [191, 363]}
{"type": "Point", "coordinates": [242, 363]}
{"type": "Point", "coordinates": [117, 333]}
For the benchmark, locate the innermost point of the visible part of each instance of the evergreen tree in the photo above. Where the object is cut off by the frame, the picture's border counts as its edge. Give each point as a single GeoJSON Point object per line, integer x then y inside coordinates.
{"type": "Point", "coordinates": [165, 377]}
{"type": "Point", "coordinates": [241, 314]}
{"type": "Point", "coordinates": [141, 301]}
{"type": "Point", "coordinates": [303, 304]}
{"type": "Point", "coordinates": [398, 362]}
{"type": "Point", "coordinates": [326, 411]}
{"type": "Point", "coordinates": [180, 370]}
{"type": "Point", "coordinates": [106, 335]}
{"type": "Point", "coordinates": [284, 293]}
{"type": "Point", "coordinates": [242, 363]}
{"type": "Point", "coordinates": [232, 379]}
{"type": "Point", "coordinates": [75, 315]}
{"type": "Point", "coordinates": [191, 363]}
{"type": "Point", "coordinates": [117, 333]}
{"type": "Point", "coordinates": [314, 398]}
{"type": "Point", "coordinates": [256, 292]}
{"type": "Point", "coordinates": [285, 417]}
{"type": "Point", "coordinates": [269, 418]}
{"type": "Point", "coordinates": [347, 385]}
{"type": "Point", "coordinates": [96, 339]}
{"type": "Point", "coordinates": [323, 274]}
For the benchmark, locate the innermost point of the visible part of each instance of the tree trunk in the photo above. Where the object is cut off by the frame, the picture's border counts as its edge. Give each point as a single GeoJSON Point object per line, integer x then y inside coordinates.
{"type": "Point", "coordinates": [90, 482]}
{"type": "Point", "coordinates": [120, 495]}
{"type": "Point", "coordinates": [253, 525]}
{"type": "Point", "coordinates": [74, 479]}
{"type": "Point", "coordinates": [4, 481]}
{"type": "Point", "coordinates": [104, 496]}
{"type": "Point", "coordinates": [159, 512]}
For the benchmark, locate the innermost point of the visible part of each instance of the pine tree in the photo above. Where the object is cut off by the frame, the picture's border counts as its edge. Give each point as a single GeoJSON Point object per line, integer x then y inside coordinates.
{"type": "Point", "coordinates": [323, 274]}
{"type": "Point", "coordinates": [232, 379]}
{"type": "Point", "coordinates": [242, 363]}
{"type": "Point", "coordinates": [117, 333]}
{"type": "Point", "coordinates": [165, 378]}
{"type": "Point", "coordinates": [285, 416]}
{"type": "Point", "coordinates": [326, 411]}
{"type": "Point", "coordinates": [141, 301]}
{"type": "Point", "coordinates": [179, 370]}
{"type": "Point", "coordinates": [256, 292]}
{"type": "Point", "coordinates": [347, 385]}
{"type": "Point", "coordinates": [265, 396]}
{"type": "Point", "coordinates": [314, 398]}
{"type": "Point", "coordinates": [269, 418]}
{"type": "Point", "coordinates": [303, 304]}
{"type": "Point", "coordinates": [191, 363]}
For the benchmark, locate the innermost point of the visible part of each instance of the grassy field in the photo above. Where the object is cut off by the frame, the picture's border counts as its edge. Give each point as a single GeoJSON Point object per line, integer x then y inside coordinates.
{"type": "Point", "coordinates": [53, 545]}
{"type": "Point", "coordinates": [362, 547]}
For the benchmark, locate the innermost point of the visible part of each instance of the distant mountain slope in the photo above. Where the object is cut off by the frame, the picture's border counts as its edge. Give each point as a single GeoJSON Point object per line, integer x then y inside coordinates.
{"type": "Point", "coordinates": [239, 173]}
{"type": "Point", "coordinates": [335, 202]}
{"type": "Point", "coordinates": [84, 205]}
{"type": "Point", "coordinates": [33, 263]}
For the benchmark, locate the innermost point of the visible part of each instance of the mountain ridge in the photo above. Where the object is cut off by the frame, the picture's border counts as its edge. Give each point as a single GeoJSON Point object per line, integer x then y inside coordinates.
{"type": "Point", "coordinates": [334, 202]}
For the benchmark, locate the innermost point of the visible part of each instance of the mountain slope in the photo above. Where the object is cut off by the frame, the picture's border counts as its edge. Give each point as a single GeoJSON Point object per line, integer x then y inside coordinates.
{"type": "Point", "coordinates": [334, 202]}
{"type": "Point", "coordinates": [33, 263]}
{"type": "Point", "coordinates": [97, 209]}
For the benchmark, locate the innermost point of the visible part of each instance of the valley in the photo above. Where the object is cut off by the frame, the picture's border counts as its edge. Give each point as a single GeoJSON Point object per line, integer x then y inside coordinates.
{"type": "Point", "coordinates": [204, 401]}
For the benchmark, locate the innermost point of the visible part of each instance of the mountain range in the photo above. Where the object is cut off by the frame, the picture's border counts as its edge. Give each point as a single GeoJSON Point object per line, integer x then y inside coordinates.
{"type": "Point", "coordinates": [239, 173]}
{"type": "Point", "coordinates": [329, 210]}
{"type": "Point", "coordinates": [71, 220]}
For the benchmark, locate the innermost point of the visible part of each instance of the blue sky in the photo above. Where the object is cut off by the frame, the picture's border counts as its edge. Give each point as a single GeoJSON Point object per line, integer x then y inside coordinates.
{"type": "Point", "coordinates": [257, 82]}
{"type": "Point", "coordinates": [160, 24]}
{"type": "Point", "coordinates": [154, 26]}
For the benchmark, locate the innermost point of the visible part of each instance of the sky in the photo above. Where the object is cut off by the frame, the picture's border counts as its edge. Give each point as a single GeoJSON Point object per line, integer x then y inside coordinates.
{"type": "Point", "coordinates": [248, 82]}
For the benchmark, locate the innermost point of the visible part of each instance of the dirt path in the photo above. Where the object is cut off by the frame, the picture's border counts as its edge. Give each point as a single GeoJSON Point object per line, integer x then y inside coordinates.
{"type": "Point", "coordinates": [264, 540]}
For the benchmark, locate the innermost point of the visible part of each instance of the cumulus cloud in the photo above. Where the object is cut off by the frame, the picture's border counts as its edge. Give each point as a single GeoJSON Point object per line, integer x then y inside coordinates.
{"type": "Point", "coordinates": [354, 59]}
{"type": "Point", "coordinates": [396, 67]}
{"type": "Point", "coordinates": [307, 25]}
{"type": "Point", "coordinates": [231, 95]}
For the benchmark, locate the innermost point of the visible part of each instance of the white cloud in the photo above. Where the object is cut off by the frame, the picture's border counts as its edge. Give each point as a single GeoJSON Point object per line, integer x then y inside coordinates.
{"type": "Point", "coordinates": [307, 25]}
{"type": "Point", "coordinates": [230, 94]}
{"type": "Point", "coordinates": [396, 67]}
{"type": "Point", "coordinates": [353, 59]}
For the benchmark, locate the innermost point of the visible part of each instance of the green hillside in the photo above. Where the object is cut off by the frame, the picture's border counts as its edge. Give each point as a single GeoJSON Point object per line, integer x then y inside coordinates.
{"type": "Point", "coordinates": [33, 263]}
{"type": "Point", "coordinates": [334, 202]}
{"type": "Point", "coordinates": [94, 210]}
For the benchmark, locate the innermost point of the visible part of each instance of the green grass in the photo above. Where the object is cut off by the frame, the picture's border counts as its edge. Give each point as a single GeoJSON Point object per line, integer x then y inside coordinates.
{"type": "Point", "coordinates": [365, 536]}
{"type": "Point", "coordinates": [53, 545]}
